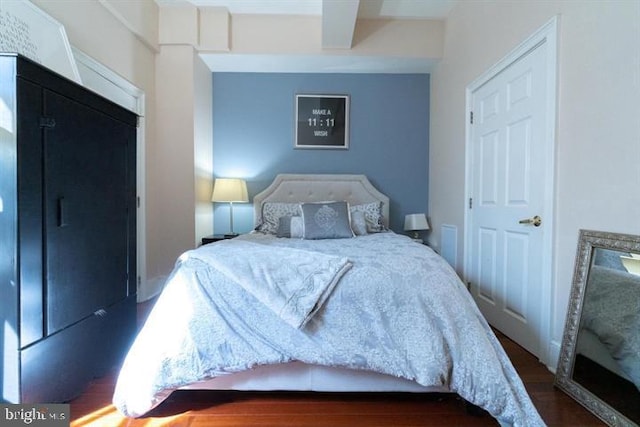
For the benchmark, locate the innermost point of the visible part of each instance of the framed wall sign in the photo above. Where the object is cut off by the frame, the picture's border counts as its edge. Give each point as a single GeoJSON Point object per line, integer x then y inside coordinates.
{"type": "Point", "coordinates": [322, 121]}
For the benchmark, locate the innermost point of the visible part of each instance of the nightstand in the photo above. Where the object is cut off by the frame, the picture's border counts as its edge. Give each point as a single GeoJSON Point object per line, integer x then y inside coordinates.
{"type": "Point", "coordinates": [215, 238]}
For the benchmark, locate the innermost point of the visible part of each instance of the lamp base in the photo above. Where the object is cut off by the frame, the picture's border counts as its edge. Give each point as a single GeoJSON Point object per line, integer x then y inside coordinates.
{"type": "Point", "coordinates": [415, 236]}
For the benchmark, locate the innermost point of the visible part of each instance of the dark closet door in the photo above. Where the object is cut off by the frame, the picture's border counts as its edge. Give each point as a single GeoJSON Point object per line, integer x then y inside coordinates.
{"type": "Point", "coordinates": [86, 221]}
{"type": "Point", "coordinates": [30, 223]}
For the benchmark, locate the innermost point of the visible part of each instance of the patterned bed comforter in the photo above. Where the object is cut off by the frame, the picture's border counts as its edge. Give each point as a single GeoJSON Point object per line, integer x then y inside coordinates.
{"type": "Point", "coordinates": [399, 310]}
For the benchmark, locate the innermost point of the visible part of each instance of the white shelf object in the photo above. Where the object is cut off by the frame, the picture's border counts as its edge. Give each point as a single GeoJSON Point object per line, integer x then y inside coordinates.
{"type": "Point", "coordinates": [29, 31]}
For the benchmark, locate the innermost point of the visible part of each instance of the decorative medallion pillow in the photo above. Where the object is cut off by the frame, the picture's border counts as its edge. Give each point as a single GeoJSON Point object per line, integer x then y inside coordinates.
{"type": "Point", "coordinates": [330, 220]}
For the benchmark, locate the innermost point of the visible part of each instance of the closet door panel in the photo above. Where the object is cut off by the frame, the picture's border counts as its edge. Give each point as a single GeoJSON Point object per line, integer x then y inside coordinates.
{"type": "Point", "coordinates": [86, 211]}
{"type": "Point", "coordinates": [30, 213]}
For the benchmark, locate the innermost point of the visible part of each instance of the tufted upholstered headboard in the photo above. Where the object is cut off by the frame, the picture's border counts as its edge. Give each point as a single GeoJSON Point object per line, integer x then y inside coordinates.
{"type": "Point", "coordinates": [292, 188]}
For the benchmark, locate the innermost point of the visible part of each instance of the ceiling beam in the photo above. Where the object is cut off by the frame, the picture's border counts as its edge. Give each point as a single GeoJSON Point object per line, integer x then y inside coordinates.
{"type": "Point", "coordinates": [338, 23]}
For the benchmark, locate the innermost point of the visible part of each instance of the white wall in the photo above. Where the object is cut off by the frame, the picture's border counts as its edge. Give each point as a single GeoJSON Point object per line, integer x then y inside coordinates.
{"type": "Point", "coordinates": [93, 29]}
{"type": "Point", "coordinates": [598, 123]}
{"type": "Point", "coordinates": [182, 163]}
{"type": "Point", "coordinates": [172, 163]}
{"type": "Point", "coordinates": [203, 149]}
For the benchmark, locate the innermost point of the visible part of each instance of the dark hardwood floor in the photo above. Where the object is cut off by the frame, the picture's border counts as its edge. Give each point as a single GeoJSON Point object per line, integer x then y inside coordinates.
{"type": "Point", "coordinates": [282, 409]}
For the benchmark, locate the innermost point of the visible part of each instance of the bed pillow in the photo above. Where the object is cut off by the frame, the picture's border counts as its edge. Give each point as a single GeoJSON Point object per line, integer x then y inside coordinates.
{"type": "Point", "coordinates": [373, 216]}
{"type": "Point", "coordinates": [271, 213]}
{"type": "Point", "coordinates": [359, 223]}
{"type": "Point", "coordinates": [284, 226]}
{"type": "Point", "coordinates": [330, 220]}
{"type": "Point", "coordinates": [297, 227]}
{"type": "Point", "coordinates": [290, 226]}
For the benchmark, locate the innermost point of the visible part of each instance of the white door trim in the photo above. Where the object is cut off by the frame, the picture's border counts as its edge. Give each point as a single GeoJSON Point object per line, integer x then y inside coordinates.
{"type": "Point", "coordinates": [546, 34]}
{"type": "Point", "coordinates": [106, 82]}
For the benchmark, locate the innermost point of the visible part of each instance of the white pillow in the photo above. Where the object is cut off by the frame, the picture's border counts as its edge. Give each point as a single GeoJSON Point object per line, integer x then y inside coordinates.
{"type": "Point", "coordinates": [297, 227]}
{"type": "Point", "coordinates": [359, 223]}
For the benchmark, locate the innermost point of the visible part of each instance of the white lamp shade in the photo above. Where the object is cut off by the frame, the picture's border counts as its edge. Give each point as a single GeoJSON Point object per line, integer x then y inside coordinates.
{"type": "Point", "coordinates": [230, 190]}
{"type": "Point", "coordinates": [414, 222]}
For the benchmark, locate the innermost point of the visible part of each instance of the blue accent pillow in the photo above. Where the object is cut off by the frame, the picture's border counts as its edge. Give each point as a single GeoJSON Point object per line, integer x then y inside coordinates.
{"type": "Point", "coordinates": [330, 220]}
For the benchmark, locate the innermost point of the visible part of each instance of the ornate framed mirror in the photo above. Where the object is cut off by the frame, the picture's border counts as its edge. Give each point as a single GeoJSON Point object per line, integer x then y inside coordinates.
{"type": "Point", "coordinates": [599, 363]}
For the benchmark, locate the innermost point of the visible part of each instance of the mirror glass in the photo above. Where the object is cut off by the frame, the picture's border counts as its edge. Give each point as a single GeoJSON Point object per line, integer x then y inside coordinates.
{"type": "Point", "coordinates": [600, 356]}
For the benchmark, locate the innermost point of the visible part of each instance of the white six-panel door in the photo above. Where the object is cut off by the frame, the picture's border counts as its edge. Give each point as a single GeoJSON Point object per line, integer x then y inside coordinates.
{"type": "Point", "coordinates": [508, 206]}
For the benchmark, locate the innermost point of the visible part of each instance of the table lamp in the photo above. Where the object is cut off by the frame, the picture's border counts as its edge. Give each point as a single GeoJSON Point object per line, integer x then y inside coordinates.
{"type": "Point", "coordinates": [415, 223]}
{"type": "Point", "coordinates": [230, 190]}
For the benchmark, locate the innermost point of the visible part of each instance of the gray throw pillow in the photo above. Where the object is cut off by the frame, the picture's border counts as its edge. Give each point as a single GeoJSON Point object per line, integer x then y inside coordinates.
{"type": "Point", "coordinates": [329, 220]}
{"type": "Point", "coordinates": [284, 226]}
{"type": "Point", "coordinates": [290, 226]}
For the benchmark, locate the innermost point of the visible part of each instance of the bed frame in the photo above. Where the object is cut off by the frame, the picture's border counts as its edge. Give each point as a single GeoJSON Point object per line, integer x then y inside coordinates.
{"type": "Point", "coordinates": [294, 188]}
{"type": "Point", "coordinates": [298, 376]}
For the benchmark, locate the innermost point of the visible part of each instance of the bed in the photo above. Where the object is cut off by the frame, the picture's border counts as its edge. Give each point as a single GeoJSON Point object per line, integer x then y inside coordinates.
{"type": "Point", "coordinates": [336, 308]}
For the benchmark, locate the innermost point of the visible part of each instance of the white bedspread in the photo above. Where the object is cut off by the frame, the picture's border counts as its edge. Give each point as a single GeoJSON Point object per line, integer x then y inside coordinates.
{"type": "Point", "coordinates": [399, 310]}
{"type": "Point", "coordinates": [293, 283]}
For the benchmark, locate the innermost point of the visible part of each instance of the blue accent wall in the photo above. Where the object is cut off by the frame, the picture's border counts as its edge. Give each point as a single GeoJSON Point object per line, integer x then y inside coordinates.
{"type": "Point", "coordinates": [253, 135]}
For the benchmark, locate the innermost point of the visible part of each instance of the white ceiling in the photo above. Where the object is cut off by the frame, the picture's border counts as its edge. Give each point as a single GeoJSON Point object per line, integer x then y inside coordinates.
{"type": "Point", "coordinates": [335, 22]}
{"type": "Point", "coordinates": [425, 9]}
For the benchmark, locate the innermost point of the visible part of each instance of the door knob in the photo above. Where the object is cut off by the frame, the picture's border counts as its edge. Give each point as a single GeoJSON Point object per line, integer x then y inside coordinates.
{"type": "Point", "coordinates": [536, 221]}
